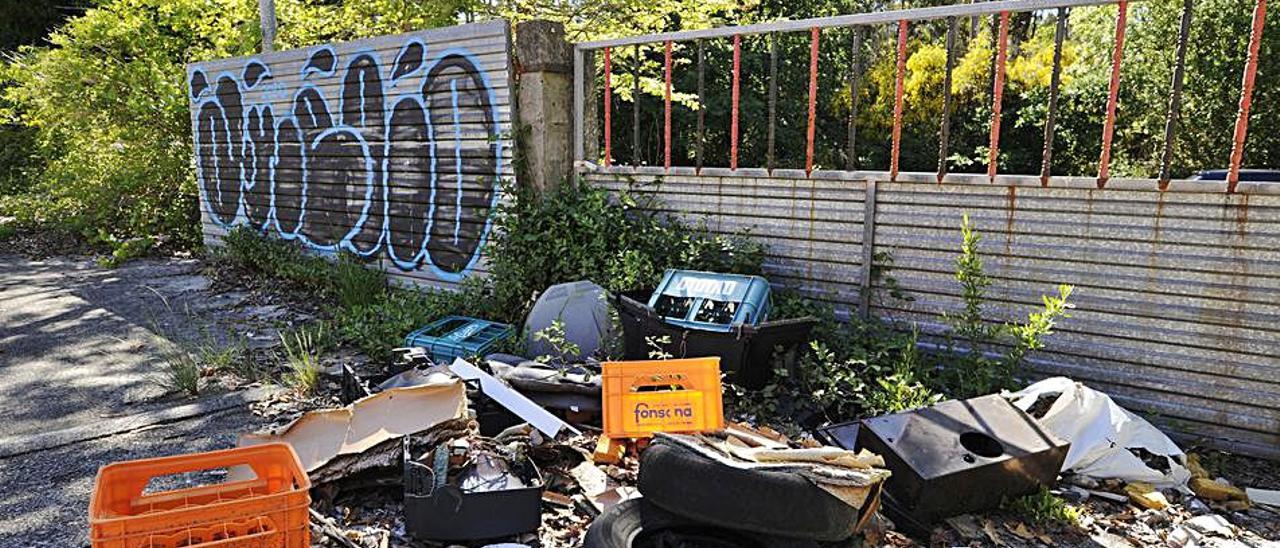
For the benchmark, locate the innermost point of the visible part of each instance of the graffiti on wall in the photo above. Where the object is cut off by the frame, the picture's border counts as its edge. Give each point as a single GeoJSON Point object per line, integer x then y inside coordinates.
{"type": "Point", "coordinates": [397, 157]}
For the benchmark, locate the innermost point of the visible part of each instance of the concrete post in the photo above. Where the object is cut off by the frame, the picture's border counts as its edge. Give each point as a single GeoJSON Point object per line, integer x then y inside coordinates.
{"type": "Point", "coordinates": [544, 111]}
{"type": "Point", "coordinates": [267, 18]}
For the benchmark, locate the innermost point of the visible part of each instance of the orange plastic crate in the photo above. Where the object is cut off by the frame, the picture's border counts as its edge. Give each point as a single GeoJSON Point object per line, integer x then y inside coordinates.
{"type": "Point", "coordinates": [643, 397]}
{"type": "Point", "coordinates": [268, 510]}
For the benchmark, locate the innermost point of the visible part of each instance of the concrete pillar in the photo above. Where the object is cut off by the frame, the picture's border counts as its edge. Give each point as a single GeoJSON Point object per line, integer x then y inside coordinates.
{"type": "Point", "coordinates": [545, 103]}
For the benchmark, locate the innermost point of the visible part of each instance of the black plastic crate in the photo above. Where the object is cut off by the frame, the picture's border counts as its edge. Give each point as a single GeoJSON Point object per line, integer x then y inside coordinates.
{"type": "Point", "coordinates": [445, 512]}
{"type": "Point", "coordinates": [746, 352]}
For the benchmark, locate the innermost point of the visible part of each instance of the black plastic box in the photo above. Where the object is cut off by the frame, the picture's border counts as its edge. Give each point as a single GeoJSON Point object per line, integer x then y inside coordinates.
{"type": "Point", "coordinates": [746, 352]}
{"type": "Point", "coordinates": [448, 513]}
{"type": "Point", "coordinates": [958, 456]}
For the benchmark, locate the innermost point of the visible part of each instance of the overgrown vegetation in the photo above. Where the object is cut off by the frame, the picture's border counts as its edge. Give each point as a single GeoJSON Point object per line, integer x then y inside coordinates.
{"type": "Point", "coordinates": [985, 355]}
{"type": "Point", "coordinates": [576, 231]}
{"type": "Point", "coordinates": [302, 355]}
{"type": "Point", "coordinates": [1043, 508]}
{"type": "Point", "coordinates": [869, 366]}
{"type": "Point", "coordinates": [580, 231]}
{"type": "Point", "coordinates": [182, 370]}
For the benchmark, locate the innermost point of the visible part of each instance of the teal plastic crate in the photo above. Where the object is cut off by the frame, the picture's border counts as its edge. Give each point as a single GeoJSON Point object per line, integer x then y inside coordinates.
{"type": "Point", "coordinates": [459, 337]}
{"type": "Point", "coordinates": [711, 301]}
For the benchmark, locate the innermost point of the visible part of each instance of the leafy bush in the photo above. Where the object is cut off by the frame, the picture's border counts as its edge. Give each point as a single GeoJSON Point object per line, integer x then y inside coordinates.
{"type": "Point", "coordinates": [377, 327]}
{"type": "Point", "coordinates": [109, 109]}
{"type": "Point", "coordinates": [985, 356]}
{"type": "Point", "coordinates": [581, 231]}
{"type": "Point", "coordinates": [1043, 508]}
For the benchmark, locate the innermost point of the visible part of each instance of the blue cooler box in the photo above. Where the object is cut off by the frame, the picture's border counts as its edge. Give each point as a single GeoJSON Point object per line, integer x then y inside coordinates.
{"type": "Point", "coordinates": [711, 301]}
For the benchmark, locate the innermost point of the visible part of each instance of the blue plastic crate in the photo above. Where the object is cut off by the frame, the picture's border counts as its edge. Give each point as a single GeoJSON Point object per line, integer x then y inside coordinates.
{"type": "Point", "coordinates": [711, 301]}
{"type": "Point", "coordinates": [458, 337]}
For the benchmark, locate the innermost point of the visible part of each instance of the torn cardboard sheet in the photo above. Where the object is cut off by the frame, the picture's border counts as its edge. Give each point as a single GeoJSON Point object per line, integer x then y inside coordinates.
{"type": "Point", "coordinates": [1107, 441]}
{"type": "Point", "coordinates": [319, 436]}
{"type": "Point", "coordinates": [514, 401]}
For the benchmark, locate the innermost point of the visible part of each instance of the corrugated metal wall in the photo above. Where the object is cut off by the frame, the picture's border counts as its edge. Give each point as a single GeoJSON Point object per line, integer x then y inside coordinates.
{"type": "Point", "coordinates": [392, 148]}
{"type": "Point", "coordinates": [1177, 293]}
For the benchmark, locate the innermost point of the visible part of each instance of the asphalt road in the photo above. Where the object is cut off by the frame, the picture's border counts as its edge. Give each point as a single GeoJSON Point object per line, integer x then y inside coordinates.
{"type": "Point", "coordinates": [81, 346]}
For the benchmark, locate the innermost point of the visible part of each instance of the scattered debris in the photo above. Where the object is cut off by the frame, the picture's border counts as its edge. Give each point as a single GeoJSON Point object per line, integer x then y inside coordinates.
{"type": "Point", "coordinates": [1107, 441]}
{"type": "Point", "coordinates": [720, 479]}
{"type": "Point", "coordinates": [1146, 495]}
{"type": "Point", "coordinates": [472, 488]}
{"type": "Point", "coordinates": [454, 337]}
{"type": "Point", "coordinates": [746, 351]}
{"type": "Point", "coordinates": [983, 446]}
{"type": "Point", "coordinates": [514, 401]}
{"type": "Point", "coordinates": [644, 397]}
{"type": "Point", "coordinates": [320, 436]}
{"type": "Point", "coordinates": [1264, 496]}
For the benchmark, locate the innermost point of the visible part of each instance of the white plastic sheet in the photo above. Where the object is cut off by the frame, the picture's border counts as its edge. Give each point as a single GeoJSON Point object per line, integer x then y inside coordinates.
{"type": "Point", "coordinates": [1104, 436]}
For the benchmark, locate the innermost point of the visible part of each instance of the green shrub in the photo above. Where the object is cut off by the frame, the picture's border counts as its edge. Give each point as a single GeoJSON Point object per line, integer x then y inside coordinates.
{"type": "Point", "coordinates": [355, 283]}
{"type": "Point", "coordinates": [376, 328]}
{"type": "Point", "coordinates": [984, 356]}
{"type": "Point", "coordinates": [107, 102]}
{"type": "Point", "coordinates": [582, 231]}
{"type": "Point", "coordinates": [1043, 508]}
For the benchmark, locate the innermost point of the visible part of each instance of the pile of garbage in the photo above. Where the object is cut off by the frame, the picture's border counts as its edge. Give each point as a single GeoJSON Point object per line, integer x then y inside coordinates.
{"type": "Point", "coordinates": [566, 450]}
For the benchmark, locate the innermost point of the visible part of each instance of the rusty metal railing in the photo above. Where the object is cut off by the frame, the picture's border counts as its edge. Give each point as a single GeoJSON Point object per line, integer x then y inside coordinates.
{"type": "Point", "coordinates": [1000, 10]}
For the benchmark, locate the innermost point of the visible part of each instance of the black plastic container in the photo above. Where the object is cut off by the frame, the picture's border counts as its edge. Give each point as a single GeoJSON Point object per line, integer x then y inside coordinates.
{"type": "Point", "coordinates": [447, 513]}
{"type": "Point", "coordinates": [746, 352]}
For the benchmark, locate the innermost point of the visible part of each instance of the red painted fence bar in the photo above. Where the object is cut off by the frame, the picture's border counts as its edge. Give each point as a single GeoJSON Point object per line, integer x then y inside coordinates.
{"type": "Point", "coordinates": [1001, 10]}
{"type": "Point", "coordinates": [1246, 94]}
{"type": "Point", "coordinates": [733, 116]}
{"type": "Point", "coordinates": [897, 100]}
{"type": "Point", "coordinates": [997, 94]}
{"type": "Point", "coordinates": [608, 105]}
{"type": "Point", "coordinates": [1109, 125]}
{"type": "Point", "coordinates": [666, 109]}
{"type": "Point", "coordinates": [813, 99]}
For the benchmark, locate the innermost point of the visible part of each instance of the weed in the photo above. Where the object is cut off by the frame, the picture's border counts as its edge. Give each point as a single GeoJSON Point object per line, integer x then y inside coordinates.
{"type": "Point", "coordinates": [355, 284]}
{"type": "Point", "coordinates": [984, 356]}
{"type": "Point", "coordinates": [658, 347]}
{"type": "Point", "coordinates": [1043, 508]}
{"type": "Point", "coordinates": [562, 348]}
{"type": "Point", "coordinates": [302, 359]}
{"type": "Point", "coordinates": [182, 371]}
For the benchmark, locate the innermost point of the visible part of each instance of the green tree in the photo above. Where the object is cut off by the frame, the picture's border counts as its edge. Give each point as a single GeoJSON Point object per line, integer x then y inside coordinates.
{"type": "Point", "coordinates": [107, 102]}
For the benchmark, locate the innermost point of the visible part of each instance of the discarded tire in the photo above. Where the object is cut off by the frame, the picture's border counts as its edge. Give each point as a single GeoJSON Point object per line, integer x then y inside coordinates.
{"type": "Point", "coordinates": [681, 481]}
{"type": "Point", "coordinates": [637, 523]}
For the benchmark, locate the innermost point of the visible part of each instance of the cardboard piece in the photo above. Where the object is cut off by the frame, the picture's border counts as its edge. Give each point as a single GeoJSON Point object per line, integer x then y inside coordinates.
{"type": "Point", "coordinates": [319, 436]}
{"type": "Point", "coordinates": [514, 401]}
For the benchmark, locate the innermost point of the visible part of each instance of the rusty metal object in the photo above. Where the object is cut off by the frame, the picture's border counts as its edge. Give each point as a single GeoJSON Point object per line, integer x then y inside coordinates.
{"type": "Point", "coordinates": [733, 116]}
{"type": "Point", "coordinates": [813, 99]}
{"type": "Point", "coordinates": [997, 94]}
{"type": "Point", "coordinates": [666, 107]}
{"type": "Point", "coordinates": [897, 100]}
{"type": "Point", "coordinates": [944, 131]}
{"type": "Point", "coordinates": [1246, 94]}
{"type": "Point", "coordinates": [1113, 95]}
{"type": "Point", "coordinates": [635, 110]}
{"type": "Point", "coordinates": [770, 153]}
{"type": "Point", "coordinates": [855, 79]}
{"type": "Point", "coordinates": [608, 106]}
{"type": "Point", "coordinates": [1175, 95]}
{"type": "Point", "coordinates": [1055, 84]}
{"type": "Point", "coordinates": [702, 106]}
{"type": "Point", "coordinates": [961, 456]}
